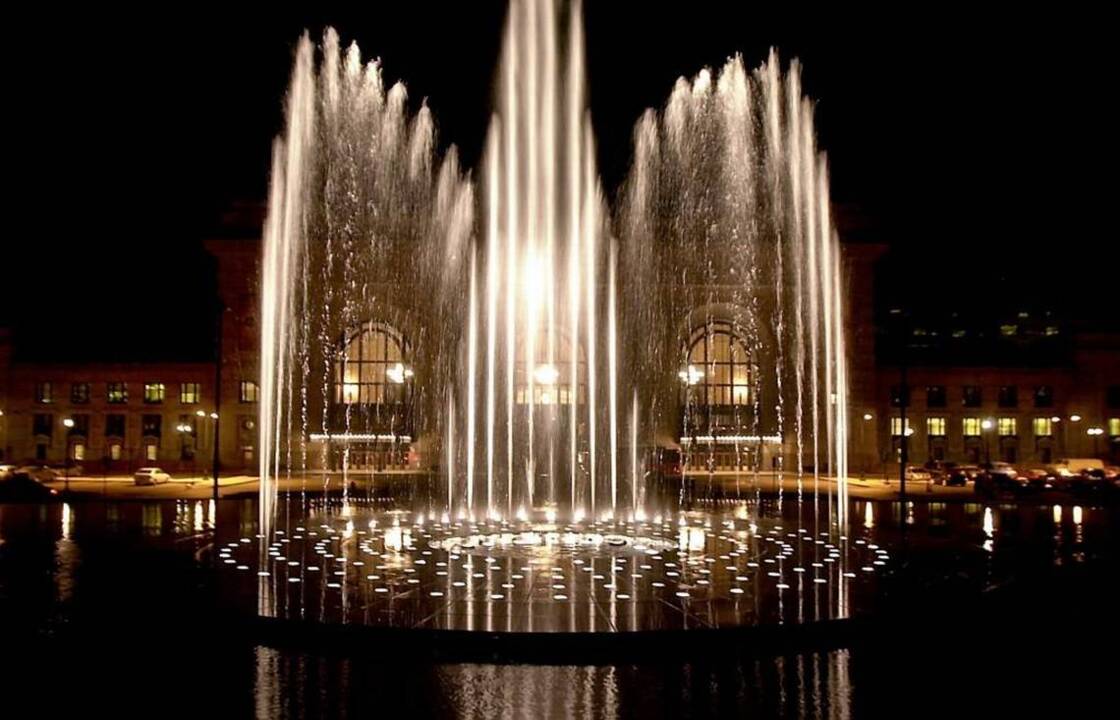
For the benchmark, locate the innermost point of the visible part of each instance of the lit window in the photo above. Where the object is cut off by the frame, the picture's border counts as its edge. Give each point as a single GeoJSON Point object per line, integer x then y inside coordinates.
{"type": "Point", "coordinates": [153, 392]}
{"type": "Point", "coordinates": [190, 393]}
{"type": "Point", "coordinates": [115, 451]}
{"type": "Point", "coordinates": [723, 359]}
{"type": "Point", "coordinates": [1043, 427]}
{"type": "Point", "coordinates": [1051, 330]}
{"type": "Point", "coordinates": [79, 451]}
{"type": "Point", "coordinates": [1008, 330]}
{"type": "Point", "coordinates": [1006, 426]}
{"type": "Point", "coordinates": [371, 368]}
{"type": "Point", "coordinates": [971, 426]}
{"type": "Point", "coordinates": [549, 373]}
{"type": "Point", "coordinates": [117, 392]}
{"type": "Point", "coordinates": [1114, 426]}
{"type": "Point", "coordinates": [248, 391]}
{"type": "Point", "coordinates": [150, 452]}
{"type": "Point", "coordinates": [935, 426]}
{"type": "Point", "coordinates": [896, 427]}
{"type": "Point", "coordinates": [43, 393]}
{"type": "Point", "coordinates": [79, 393]}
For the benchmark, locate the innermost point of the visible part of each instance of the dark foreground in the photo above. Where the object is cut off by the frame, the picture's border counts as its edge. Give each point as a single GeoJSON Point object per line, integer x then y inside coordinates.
{"type": "Point", "coordinates": [111, 609]}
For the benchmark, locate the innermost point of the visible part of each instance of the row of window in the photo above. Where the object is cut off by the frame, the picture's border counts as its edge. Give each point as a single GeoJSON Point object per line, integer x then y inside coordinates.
{"type": "Point", "coordinates": [190, 393]}
{"type": "Point", "coordinates": [937, 426]}
{"type": "Point", "coordinates": [973, 396]}
{"type": "Point", "coordinates": [78, 425]}
{"type": "Point", "coordinates": [1007, 396]}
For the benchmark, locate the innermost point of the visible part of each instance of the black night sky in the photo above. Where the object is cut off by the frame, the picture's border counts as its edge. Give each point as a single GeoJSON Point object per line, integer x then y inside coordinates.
{"type": "Point", "coordinates": [977, 146]}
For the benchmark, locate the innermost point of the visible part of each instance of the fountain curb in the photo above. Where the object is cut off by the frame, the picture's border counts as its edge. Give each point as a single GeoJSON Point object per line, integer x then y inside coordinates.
{"type": "Point", "coordinates": [551, 647]}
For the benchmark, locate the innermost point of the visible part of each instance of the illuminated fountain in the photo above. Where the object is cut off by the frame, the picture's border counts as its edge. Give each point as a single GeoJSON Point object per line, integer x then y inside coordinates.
{"type": "Point", "coordinates": [533, 352]}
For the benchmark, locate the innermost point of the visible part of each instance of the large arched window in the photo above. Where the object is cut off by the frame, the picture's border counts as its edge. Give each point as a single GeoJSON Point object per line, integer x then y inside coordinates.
{"type": "Point", "coordinates": [552, 380]}
{"type": "Point", "coordinates": [718, 370]}
{"type": "Point", "coordinates": [372, 367]}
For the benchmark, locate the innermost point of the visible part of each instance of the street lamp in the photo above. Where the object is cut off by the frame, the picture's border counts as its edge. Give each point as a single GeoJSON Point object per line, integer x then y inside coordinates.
{"type": "Point", "coordinates": [184, 429]}
{"type": "Point", "coordinates": [986, 425]}
{"type": "Point", "coordinates": [214, 439]}
{"type": "Point", "coordinates": [1095, 432]}
{"type": "Point", "coordinates": [68, 423]}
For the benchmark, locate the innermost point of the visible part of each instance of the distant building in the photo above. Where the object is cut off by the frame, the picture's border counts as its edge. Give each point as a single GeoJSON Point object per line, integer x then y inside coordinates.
{"type": "Point", "coordinates": [1025, 389]}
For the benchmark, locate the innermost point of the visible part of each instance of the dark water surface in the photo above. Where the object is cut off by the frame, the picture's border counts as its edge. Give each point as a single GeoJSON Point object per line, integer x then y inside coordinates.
{"type": "Point", "coordinates": [113, 608]}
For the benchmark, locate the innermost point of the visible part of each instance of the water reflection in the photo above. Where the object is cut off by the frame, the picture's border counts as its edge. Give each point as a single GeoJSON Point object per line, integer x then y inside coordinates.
{"type": "Point", "coordinates": [809, 685]}
{"type": "Point", "coordinates": [124, 568]}
{"type": "Point", "coordinates": [989, 529]}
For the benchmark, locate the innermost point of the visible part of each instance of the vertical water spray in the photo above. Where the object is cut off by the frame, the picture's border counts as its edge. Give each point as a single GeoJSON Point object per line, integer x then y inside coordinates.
{"type": "Point", "coordinates": [472, 375]}
{"type": "Point", "coordinates": [575, 233]}
{"type": "Point", "coordinates": [493, 265]}
{"type": "Point", "coordinates": [726, 219]}
{"type": "Point", "coordinates": [635, 468]}
{"type": "Point", "coordinates": [511, 153]}
{"type": "Point", "coordinates": [612, 372]}
{"type": "Point", "coordinates": [588, 242]}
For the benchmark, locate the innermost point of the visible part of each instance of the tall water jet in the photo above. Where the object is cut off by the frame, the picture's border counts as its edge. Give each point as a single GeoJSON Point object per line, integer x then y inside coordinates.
{"type": "Point", "coordinates": [729, 170]}
{"type": "Point", "coordinates": [353, 178]}
{"type": "Point", "coordinates": [406, 334]}
{"type": "Point", "coordinates": [542, 213]}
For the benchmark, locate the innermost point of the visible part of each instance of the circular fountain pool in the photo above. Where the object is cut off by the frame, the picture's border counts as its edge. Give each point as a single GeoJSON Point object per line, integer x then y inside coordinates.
{"type": "Point", "coordinates": [725, 567]}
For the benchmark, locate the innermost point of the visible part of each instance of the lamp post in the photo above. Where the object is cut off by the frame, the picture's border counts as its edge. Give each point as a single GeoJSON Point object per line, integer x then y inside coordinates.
{"type": "Point", "coordinates": [68, 423]}
{"type": "Point", "coordinates": [986, 426]}
{"type": "Point", "coordinates": [867, 417]}
{"type": "Point", "coordinates": [183, 429]}
{"type": "Point", "coordinates": [214, 439]}
{"type": "Point", "coordinates": [1095, 432]}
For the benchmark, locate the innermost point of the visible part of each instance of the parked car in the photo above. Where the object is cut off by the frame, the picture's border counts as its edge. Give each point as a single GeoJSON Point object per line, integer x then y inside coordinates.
{"type": "Point", "coordinates": [1043, 479]}
{"type": "Point", "coordinates": [1077, 466]}
{"type": "Point", "coordinates": [961, 475]}
{"type": "Point", "coordinates": [39, 473]}
{"type": "Point", "coordinates": [917, 474]}
{"type": "Point", "coordinates": [150, 476]}
{"type": "Point", "coordinates": [24, 488]}
{"type": "Point", "coordinates": [6, 471]}
{"type": "Point", "coordinates": [999, 477]}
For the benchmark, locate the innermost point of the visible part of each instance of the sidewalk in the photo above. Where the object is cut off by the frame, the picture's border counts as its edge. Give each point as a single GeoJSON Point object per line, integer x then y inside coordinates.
{"type": "Point", "coordinates": [201, 487]}
{"type": "Point", "coordinates": [182, 488]}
